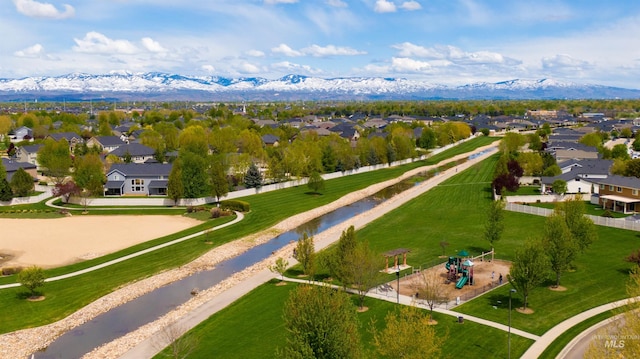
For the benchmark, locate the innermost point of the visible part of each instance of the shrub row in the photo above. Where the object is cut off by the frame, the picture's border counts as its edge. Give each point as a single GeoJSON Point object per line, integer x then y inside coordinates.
{"type": "Point", "coordinates": [28, 211]}
{"type": "Point", "coordinates": [10, 270]}
{"type": "Point", "coordinates": [235, 205]}
{"type": "Point", "coordinates": [217, 212]}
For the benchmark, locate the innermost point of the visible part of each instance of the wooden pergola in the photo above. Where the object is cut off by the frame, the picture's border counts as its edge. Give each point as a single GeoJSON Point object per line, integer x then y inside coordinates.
{"type": "Point", "coordinates": [395, 253]}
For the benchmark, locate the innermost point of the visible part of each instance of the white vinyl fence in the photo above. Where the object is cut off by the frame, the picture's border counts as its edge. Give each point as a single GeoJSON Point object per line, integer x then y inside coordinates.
{"type": "Point", "coordinates": [600, 221]}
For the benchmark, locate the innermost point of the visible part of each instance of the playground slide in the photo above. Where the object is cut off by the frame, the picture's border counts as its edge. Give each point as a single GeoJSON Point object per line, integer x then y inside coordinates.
{"type": "Point", "coordinates": [462, 282]}
{"type": "Point", "coordinates": [447, 265]}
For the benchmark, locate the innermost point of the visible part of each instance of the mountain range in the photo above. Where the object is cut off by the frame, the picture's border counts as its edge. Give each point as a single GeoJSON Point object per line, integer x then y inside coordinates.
{"type": "Point", "coordinates": [166, 87]}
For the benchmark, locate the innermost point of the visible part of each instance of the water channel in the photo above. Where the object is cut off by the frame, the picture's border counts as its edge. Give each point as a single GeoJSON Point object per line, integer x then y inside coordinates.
{"type": "Point", "coordinates": [149, 307]}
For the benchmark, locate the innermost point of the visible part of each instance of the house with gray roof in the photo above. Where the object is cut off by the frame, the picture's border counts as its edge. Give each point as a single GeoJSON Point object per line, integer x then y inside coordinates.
{"type": "Point", "coordinates": [72, 138]}
{"type": "Point", "coordinates": [21, 134]}
{"type": "Point", "coordinates": [28, 154]}
{"type": "Point", "coordinates": [107, 143]}
{"type": "Point", "coordinates": [581, 176]}
{"type": "Point", "coordinates": [139, 179]}
{"type": "Point", "coordinates": [137, 152]}
{"type": "Point", "coordinates": [12, 167]}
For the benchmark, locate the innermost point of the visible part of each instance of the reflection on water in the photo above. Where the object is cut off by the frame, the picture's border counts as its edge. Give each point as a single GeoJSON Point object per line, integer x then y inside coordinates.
{"type": "Point", "coordinates": [149, 307]}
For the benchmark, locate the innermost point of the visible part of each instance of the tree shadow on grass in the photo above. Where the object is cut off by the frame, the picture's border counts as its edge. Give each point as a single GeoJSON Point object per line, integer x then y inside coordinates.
{"type": "Point", "coordinates": [312, 193]}
{"type": "Point", "coordinates": [502, 301]}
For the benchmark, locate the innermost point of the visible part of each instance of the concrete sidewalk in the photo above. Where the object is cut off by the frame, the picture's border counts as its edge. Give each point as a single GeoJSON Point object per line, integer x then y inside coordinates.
{"type": "Point", "coordinates": [552, 334]}
{"type": "Point", "coordinates": [151, 346]}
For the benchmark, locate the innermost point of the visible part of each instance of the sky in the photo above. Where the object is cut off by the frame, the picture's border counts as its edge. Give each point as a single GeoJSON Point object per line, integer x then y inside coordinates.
{"type": "Point", "coordinates": [449, 42]}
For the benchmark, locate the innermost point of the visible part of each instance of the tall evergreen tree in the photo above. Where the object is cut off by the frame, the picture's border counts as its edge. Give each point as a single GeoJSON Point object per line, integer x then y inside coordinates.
{"type": "Point", "coordinates": [5, 189]}
{"type": "Point", "coordinates": [253, 177]}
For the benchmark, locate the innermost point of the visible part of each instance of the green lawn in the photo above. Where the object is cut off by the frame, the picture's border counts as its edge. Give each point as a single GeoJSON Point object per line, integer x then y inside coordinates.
{"type": "Point", "coordinates": [455, 212]}
{"type": "Point", "coordinates": [66, 296]}
{"type": "Point", "coordinates": [252, 327]}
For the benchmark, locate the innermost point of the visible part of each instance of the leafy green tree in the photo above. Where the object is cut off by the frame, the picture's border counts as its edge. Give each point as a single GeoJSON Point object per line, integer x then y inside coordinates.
{"type": "Point", "coordinates": [21, 183]}
{"type": "Point", "coordinates": [408, 335]}
{"type": "Point", "coordinates": [55, 157]}
{"type": "Point", "coordinates": [320, 323]}
{"type": "Point", "coordinates": [195, 179]}
{"type": "Point", "coordinates": [529, 269]}
{"type": "Point", "coordinates": [559, 245]}
{"type": "Point", "coordinates": [494, 226]}
{"type": "Point", "coordinates": [582, 228]}
{"type": "Point", "coordinates": [620, 151]}
{"type": "Point", "coordinates": [280, 267]}
{"type": "Point", "coordinates": [175, 188]}
{"type": "Point", "coordinates": [306, 254]}
{"type": "Point", "coordinates": [253, 177]}
{"type": "Point", "coordinates": [337, 258]}
{"type": "Point", "coordinates": [89, 174]}
{"type": "Point", "coordinates": [364, 266]}
{"type": "Point", "coordinates": [329, 159]}
{"type": "Point", "coordinates": [593, 139]}
{"type": "Point", "coordinates": [552, 171]}
{"type": "Point", "coordinates": [428, 138]}
{"type": "Point", "coordinates": [559, 186]}
{"type": "Point", "coordinates": [316, 182]}
{"type": "Point", "coordinates": [218, 177]}
{"type": "Point", "coordinates": [31, 278]}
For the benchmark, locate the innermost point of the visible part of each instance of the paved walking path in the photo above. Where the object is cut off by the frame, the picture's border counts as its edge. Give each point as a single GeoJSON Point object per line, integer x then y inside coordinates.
{"type": "Point", "coordinates": [552, 334]}
{"type": "Point", "coordinates": [239, 217]}
{"type": "Point", "coordinates": [149, 347]}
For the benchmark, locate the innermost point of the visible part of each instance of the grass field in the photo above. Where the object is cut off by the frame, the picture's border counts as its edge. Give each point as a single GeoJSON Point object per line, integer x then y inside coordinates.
{"type": "Point", "coordinates": [455, 212]}
{"type": "Point", "coordinates": [66, 296]}
{"type": "Point", "coordinates": [252, 328]}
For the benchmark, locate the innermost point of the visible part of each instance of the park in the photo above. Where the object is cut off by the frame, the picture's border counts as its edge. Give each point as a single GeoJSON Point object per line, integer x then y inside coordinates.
{"type": "Point", "coordinates": [453, 211]}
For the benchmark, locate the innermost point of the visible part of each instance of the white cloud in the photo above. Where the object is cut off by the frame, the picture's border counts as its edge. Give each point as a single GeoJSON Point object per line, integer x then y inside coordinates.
{"type": "Point", "coordinates": [33, 8]}
{"type": "Point", "coordinates": [564, 61]}
{"type": "Point", "coordinates": [336, 3]}
{"type": "Point", "coordinates": [411, 5]}
{"type": "Point", "coordinates": [290, 67]}
{"type": "Point", "coordinates": [208, 68]}
{"type": "Point", "coordinates": [254, 53]}
{"type": "Point", "coordinates": [403, 64]}
{"type": "Point", "coordinates": [32, 51]}
{"type": "Point", "coordinates": [408, 49]}
{"type": "Point", "coordinates": [95, 42]}
{"type": "Point", "coordinates": [248, 68]}
{"type": "Point", "coordinates": [273, 2]}
{"type": "Point", "coordinates": [384, 6]}
{"type": "Point", "coordinates": [286, 50]}
{"type": "Point", "coordinates": [453, 54]}
{"type": "Point", "coordinates": [152, 45]}
{"type": "Point", "coordinates": [330, 50]}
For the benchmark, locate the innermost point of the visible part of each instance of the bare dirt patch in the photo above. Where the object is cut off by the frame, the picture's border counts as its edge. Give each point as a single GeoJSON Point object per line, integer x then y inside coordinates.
{"type": "Point", "coordinates": [58, 241]}
{"type": "Point", "coordinates": [558, 288]}
{"type": "Point", "coordinates": [482, 277]}
{"type": "Point", "coordinates": [38, 298]}
{"type": "Point", "coordinates": [525, 311]}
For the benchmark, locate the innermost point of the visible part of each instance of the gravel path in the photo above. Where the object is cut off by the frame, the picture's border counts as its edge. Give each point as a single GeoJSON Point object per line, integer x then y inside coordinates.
{"type": "Point", "coordinates": [21, 343]}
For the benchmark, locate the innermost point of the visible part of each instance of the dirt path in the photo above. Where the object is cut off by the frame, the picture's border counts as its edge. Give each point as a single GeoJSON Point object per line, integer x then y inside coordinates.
{"type": "Point", "coordinates": [22, 343]}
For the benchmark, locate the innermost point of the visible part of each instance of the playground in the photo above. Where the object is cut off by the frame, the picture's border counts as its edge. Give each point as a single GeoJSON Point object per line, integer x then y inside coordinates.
{"type": "Point", "coordinates": [457, 277]}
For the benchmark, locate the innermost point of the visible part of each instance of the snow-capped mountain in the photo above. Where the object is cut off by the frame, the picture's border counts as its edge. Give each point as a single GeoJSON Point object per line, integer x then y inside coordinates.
{"type": "Point", "coordinates": [155, 85]}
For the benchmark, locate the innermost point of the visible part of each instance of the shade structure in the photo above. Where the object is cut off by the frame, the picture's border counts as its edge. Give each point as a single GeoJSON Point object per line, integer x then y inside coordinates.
{"type": "Point", "coordinates": [463, 253]}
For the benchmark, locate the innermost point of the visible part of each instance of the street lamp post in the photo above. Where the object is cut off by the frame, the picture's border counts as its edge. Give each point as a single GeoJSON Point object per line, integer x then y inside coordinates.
{"type": "Point", "coordinates": [398, 291]}
{"type": "Point", "coordinates": [509, 335]}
